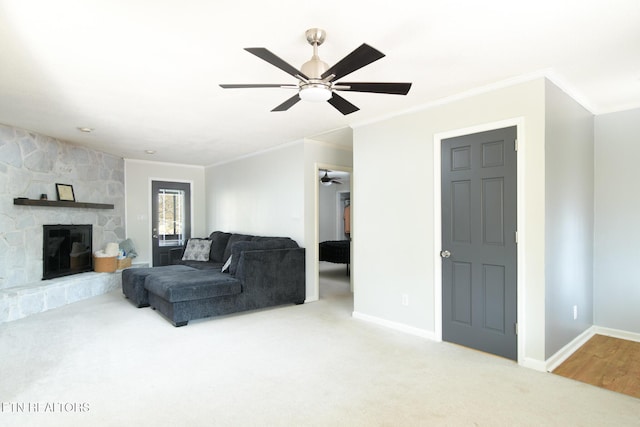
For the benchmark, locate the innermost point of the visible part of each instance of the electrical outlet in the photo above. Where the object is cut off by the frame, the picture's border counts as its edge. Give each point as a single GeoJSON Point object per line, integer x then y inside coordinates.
{"type": "Point", "coordinates": [575, 312]}
{"type": "Point", "coordinates": [405, 299]}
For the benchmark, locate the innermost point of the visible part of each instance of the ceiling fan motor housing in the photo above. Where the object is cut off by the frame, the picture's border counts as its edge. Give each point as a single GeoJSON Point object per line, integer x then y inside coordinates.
{"type": "Point", "coordinates": [314, 68]}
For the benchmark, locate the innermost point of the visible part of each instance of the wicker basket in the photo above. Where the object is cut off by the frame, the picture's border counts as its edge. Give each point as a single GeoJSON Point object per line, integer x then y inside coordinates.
{"type": "Point", "coordinates": [104, 264]}
{"type": "Point", "coordinates": [123, 263]}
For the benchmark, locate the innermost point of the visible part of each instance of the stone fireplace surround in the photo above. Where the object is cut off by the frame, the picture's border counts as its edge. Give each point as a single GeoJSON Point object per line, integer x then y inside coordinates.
{"type": "Point", "coordinates": [31, 164]}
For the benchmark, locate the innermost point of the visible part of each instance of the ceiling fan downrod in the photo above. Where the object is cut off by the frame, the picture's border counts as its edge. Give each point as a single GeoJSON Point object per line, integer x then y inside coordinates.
{"type": "Point", "coordinates": [315, 89]}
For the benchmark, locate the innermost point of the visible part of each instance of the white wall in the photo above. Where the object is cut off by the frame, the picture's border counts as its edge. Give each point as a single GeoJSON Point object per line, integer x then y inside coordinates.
{"type": "Point", "coordinates": [261, 194]}
{"type": "Point", "coordinates": [569, 201]}
{"type": "Point", "coordinates": [617, 212]}
{"type": "Point", "coordinates": [138, 177]}
{"type": "Point", "coordinates": [394, 243]}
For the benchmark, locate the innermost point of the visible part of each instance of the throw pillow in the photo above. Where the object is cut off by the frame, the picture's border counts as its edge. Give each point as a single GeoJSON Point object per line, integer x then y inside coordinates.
{"type": "Point", "coordinates": [256, 245]}
{"type": "Point", "coordinates": [128, 248]}
{"type": "Point", "coordinates": [226, 265]}
{"type": "Point", "coordinates": [219, 242]}
{"type": "Point", "coordinates": [197, 250]}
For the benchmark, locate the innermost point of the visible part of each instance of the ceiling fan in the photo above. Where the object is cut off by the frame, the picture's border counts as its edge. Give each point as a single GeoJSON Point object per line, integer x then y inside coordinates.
{"type": "Point", "coordinates": [317, 81]}
{"type": "Point", "coordinates": [326, 180]}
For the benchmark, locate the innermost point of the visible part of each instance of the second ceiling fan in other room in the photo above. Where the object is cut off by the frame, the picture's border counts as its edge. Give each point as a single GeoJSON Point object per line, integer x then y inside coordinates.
{"type": "Point", "coordinates": [326, 179]}
{"type": "Point", "coordinates": [318, 82]}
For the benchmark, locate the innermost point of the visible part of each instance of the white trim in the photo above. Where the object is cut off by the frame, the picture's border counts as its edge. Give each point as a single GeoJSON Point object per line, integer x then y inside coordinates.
{"type": "Point", "coordinates": [616, 333]}
{"type": "Point", "coordinates": [519, 122]}
{"type": "Point", "coordinates": [155, 162]}
{"type": "Point", "coordinates": [397, 326]}
{"type": "Point", "coordinates": [258, 153]}
{"type": "Point", "coordinates": [329, 144]}
{"type": "Point", "coordinates": [563, 354]}
{"type": "Point", "coordinates": [547, 73]}
{"type": "Point", "coordinates": [536, 365]}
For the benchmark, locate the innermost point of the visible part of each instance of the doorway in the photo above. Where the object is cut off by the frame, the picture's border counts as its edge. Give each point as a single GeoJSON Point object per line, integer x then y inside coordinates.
{"type": "Point", "coordinates": [333, 231]}
{"type": "Point", "coordinates": [479, 241]}
{"type": "Point", "coordinates": [170, 218]}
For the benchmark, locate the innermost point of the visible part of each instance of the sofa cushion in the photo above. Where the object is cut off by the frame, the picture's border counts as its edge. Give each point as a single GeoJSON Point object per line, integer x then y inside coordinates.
{"type": "Point", "coordinates": [192, 285]}
{"type": "Point", "coordinates": [257, 245]}
{"type": "Point", "coordinates": [219, 240]}
{"type": "Point", "coordinates": [233, 239]}
{"type": "Point", "coordinates": [133, 280]}
{"type": "Point", "coordinates": [197, 250]}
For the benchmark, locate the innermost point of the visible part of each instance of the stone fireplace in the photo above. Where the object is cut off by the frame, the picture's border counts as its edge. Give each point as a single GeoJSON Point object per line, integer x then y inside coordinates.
{"type": "Point", "coordinates": [31, 165]}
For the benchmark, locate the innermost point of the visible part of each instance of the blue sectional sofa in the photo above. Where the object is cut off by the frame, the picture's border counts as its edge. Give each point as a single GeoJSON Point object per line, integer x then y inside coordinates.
{"type": "Point", "coordinates": [240, 272]}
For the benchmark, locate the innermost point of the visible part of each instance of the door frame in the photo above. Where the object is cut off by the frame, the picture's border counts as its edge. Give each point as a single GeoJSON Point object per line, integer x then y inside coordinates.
{"type": "Point", "coordinates": [316, 226]}
{"type": "Point", "coordinates": [518, 122]}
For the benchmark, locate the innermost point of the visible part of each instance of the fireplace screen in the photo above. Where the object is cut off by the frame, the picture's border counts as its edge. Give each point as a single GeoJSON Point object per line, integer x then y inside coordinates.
{"type": "Point", "coordinates": [66, 249]}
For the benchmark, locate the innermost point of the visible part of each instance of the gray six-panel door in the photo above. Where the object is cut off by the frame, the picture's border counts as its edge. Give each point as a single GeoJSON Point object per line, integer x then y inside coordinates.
{"type": "Point", "coordinates": [479, 258]}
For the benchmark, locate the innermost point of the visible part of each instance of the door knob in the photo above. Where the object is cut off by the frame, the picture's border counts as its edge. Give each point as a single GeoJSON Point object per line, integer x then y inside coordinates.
{"type": "Point", "coordinates": [445, 254]}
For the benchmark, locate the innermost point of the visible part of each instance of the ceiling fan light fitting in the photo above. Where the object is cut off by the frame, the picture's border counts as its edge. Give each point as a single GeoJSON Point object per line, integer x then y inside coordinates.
{"type": "Point", "coordinates": [315, 93]}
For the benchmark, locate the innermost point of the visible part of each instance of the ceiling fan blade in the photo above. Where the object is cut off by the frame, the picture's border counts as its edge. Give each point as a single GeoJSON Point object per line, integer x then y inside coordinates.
{"type": "Point", "coordinates": [342, 105]}
{"type": "Point", "coordinates": [276, 61]}
{"type": "Point", "coordinates": [288, 103]}
{"type": "Point", "coordinates": [390, 88]}
{"type": "Point", "coordinates": [246, 86]}
{"type": "Point", "coordinates": [363, 55]}
{"type": "Point", "coordinates": [333, 181]}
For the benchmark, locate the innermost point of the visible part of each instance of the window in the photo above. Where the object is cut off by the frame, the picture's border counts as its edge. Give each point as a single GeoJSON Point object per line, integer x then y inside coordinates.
{"type": "Point", "coordinates": [171, 217]}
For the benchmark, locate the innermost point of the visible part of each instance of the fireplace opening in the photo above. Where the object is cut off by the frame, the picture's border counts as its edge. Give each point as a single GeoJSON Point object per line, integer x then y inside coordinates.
{"type": "Point", "coordinates": [66, 250]}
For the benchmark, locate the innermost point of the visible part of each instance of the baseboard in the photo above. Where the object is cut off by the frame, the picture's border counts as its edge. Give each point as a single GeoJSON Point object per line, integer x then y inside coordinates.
{"type": "Point", "coordinates": [397, 326]}
{"type": "Point", "coordinates": [536, 365]}
{"type": "Point", "coordinates": [563, 354]}
{"type": "Point", "coordinates": [616, 333]}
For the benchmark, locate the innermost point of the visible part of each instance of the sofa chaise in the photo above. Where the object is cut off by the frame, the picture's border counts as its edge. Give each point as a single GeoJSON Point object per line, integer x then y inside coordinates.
{"type": "Point", "coordinates": [221, 274]}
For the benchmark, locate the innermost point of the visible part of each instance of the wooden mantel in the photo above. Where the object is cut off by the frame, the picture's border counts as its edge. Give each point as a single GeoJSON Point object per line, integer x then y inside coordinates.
{"type": "Point", "coordinates": [60, 204]}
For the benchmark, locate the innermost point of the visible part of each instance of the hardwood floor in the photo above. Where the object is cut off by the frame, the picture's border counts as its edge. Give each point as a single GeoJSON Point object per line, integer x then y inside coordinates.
{"type": "Point", "coordinates": [607, 362]}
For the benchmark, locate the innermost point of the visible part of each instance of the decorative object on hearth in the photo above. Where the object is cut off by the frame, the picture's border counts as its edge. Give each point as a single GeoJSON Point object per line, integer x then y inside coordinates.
{"type": "Point", "coordinates": [317, 81]}
{"type": "Point", "coordinates": [105, 261]}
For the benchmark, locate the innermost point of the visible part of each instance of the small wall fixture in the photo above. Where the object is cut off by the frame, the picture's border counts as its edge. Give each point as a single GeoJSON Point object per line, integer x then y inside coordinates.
{"type": "Point", "coordinates": [85, 129]}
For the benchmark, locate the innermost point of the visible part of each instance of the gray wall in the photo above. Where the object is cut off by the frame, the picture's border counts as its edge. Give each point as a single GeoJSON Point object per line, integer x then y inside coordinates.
{"type": "Point", "coordinates": [408, 262]}
{"type": "Point", "coordinates": [31, 164]}
{"type": "Point", "coordinates": [617, 214]}
{"type": "Point", "coordinates": [569, 199]}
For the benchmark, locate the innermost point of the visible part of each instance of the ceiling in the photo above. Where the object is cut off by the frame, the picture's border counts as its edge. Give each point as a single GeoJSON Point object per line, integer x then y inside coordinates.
{"type": "Point", "coordinates": [144, 74]}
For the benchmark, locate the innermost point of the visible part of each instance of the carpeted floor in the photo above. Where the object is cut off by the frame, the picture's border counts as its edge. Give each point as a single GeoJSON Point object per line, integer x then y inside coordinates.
{"type": "Point", "coordinates": [102, 362]}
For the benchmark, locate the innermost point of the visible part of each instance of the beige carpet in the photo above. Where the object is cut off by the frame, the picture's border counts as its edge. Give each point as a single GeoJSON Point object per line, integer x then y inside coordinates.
{"type": "Point", "coordinates": [102, 362]}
